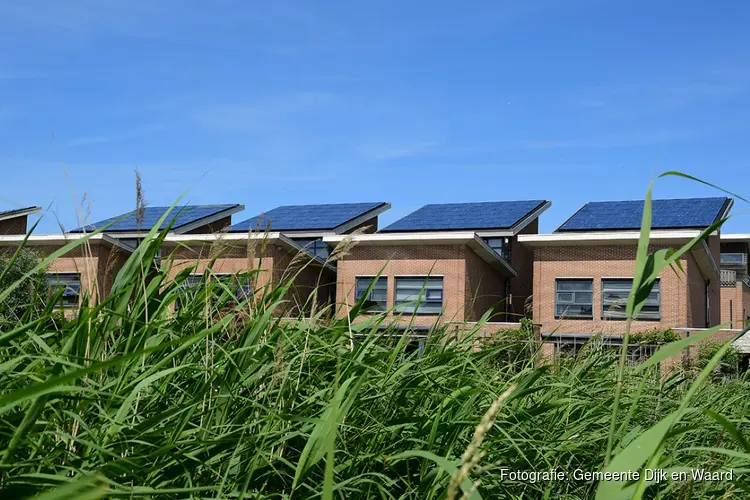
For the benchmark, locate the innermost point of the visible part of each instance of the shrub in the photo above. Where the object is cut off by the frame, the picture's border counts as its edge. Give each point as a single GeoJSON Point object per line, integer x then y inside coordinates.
{"type": "Point", "coordinates": [655, 336]}
{"type": "Point", "coordinates": [729, 366]}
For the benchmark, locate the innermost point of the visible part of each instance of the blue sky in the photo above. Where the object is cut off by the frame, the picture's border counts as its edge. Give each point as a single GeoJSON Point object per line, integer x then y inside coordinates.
{"type": "Point", "coordinates": [272, 103]}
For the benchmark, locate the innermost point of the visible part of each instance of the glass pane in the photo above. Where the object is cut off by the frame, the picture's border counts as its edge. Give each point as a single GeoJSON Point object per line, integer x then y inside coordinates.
{"type": "Point", "coordinates": [406, 296]}
{"type": "Point", "coordinates": [584, 298]}
{"type": "Point", "coordinates": [574, 311]}
{"type": "Point", "coordinates": [575, 285]}
{"type": "Point", "coordinates": [565, 297]}
{"type": "Point", "coordinates": [617, 285]}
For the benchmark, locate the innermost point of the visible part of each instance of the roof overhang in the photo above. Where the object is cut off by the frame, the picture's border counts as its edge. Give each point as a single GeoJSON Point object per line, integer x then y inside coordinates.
{"type": "Point", "coordinates": [185, 228]}
{"type": "Point", "coordinates": [273, 238]}
{"type": "Point", "coordinates": [468, 238]}
{"type": "Point", "coordinates": [63, 239]}
{"type": "Point", "coordinates": [735, 238]}
{"type": "Point", "coordinates": [19, 213]}
{"type": "Point", "coordinates": [581, 238]}
{"type": "Point", "coordinates": [361, 219]}
{"type": "Point", "coordinates": [705, 260]}
{"type": "Point", "coordinates": [190, 226]}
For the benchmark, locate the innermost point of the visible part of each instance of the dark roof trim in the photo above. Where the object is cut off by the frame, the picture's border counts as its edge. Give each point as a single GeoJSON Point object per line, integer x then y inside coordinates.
{"type": "Point", "coordinates": [19, 212]}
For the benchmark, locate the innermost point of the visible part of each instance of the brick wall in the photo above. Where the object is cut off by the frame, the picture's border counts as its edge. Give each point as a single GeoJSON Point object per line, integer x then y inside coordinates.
{"type": "Point", "coordinates": [461, 269]}
{"type": "Point", "coordinates": [16, 225]}
{"type": "Point", "coordinates": [485, 290]}
{"type": "Point", "coordinates": [735, 304]}
{"type": "Point", "coordinates": [213, 227]}
{"type": "Point", "coordinates": [615, 261]}
{"type": "Point", "coordinates": [97, 265]}
{"type": "Point", "coordinates": [271, 263]}
{"type": "Point", "coordinates": [407, 260]}
{"type": "Point", "coordinates": [696, 295]}
{"type": "Point", "coordinates": [522, 260]}
{"type": "Point", "coordinates": [369, 226]}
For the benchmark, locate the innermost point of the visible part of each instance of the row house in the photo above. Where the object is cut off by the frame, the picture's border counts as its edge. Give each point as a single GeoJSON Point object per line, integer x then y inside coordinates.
{"type": "Point", "coordinates": [583, 271]}
{"type": "Point", "coordinates": [441, 264]}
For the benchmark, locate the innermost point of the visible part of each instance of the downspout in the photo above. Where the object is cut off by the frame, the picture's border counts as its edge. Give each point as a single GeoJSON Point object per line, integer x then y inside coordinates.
{"type": "Point", "coordinates": [708, 307]}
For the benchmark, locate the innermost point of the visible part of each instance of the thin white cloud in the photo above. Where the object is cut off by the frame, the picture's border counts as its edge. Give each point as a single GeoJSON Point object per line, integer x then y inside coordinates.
{"type": "Point", "coordinates": [126, 135]}
{"type": "Point", "coordinates": [666, 94]}
{"type": "Point", "coordinates": [264, 115]}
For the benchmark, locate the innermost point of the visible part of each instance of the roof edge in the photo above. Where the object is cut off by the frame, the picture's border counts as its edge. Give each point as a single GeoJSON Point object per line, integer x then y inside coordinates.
{"type": "Point", "coordinates": [228, 212]}
{"type": "Point", "coordinates": [362, 218]}
{"type": "Point", "coordinates": [12, 214]}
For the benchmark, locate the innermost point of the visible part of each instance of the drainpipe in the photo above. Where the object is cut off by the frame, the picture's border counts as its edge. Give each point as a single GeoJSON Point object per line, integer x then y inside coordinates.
{"type": "Point", "coordinates": [708, 307]}
{"type": "Point", "coordinates": [508, 297]}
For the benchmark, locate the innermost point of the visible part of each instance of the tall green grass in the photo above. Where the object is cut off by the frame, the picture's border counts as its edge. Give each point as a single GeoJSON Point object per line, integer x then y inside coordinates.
{"type": "Point", "coordinates": [225, 399]}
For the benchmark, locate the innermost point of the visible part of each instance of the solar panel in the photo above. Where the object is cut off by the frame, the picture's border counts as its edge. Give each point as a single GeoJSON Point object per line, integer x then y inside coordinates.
{"type": "Point", "coordinates": [184, 215]}
{"type": "Point", "coordinates": [687, 213]}
{"type": "Point", "coordinates": [306, 217]}
{"type": "Point", "coordinates": [456, 216]}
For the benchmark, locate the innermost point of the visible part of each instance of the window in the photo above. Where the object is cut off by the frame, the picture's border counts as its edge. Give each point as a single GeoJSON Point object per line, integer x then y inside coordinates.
{"type": "Point", "coordinates": [188, 289]}
{"type": "Point", "coordinates": [574, 299]}
{"type": "Point", "coordinates": [501, 246]}
{"type": "Point", "coordinates": [316, 246]}
{"type": "Point", "coordinates": [376, 300]}
{"type": "Point", "coordinates": [574, 345]}
{"type": "Point", "coordinates": [615, 293]}
{"type": "Point", "coordinates": [423, 295]}
{"type": "Point", "coordinates": [70, 283]}
{"type": "Point", "coordinates": [239, 285]}
{"type": "Point", "coordinates": [733, 259]}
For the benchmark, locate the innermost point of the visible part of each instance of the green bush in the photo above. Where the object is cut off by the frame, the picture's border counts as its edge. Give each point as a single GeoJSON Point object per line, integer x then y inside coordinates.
{"type": "Point", "coordinates": [656, 336]}
{"type": "Point", "coordinates": [27, 301]}
{"type": "Point", "coordinates": [730, 361]}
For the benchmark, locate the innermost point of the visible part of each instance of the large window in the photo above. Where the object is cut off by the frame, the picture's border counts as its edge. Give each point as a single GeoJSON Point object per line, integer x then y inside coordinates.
{"type": "Point", "coordinates": [501, 246]}
{"type": "Point", "coordinates": [615, 293]}
{"type": "Point", "coordinates": [574, 298]}
{"type": "Point", "coordinates": [240, 286]}
{"type": "Point", "coordinates": [317, 246]}
{"type": "Point", "coordinates": [69, 283]}
{"type": "Point", "coordinates": [421, 295]}
{"type": "Point", "coordinates": [376, 299]}
{"type": "Point", "coordinates": [573, 345]}
{"type": "Point", "coordinates": [188, 289]}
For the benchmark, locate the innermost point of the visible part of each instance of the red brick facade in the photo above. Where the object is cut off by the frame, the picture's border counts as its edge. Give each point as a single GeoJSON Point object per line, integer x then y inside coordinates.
{"type": "Point", "coordinates": [15, 225]}
{"type": "Point", "coordinates": [470, 285]}
{"type": "Point", "coordinates": [271, 264]}
{"type": "Point", "coordinates": [735, 305]}
{"type": "Point", "coordinates": [683, 296]}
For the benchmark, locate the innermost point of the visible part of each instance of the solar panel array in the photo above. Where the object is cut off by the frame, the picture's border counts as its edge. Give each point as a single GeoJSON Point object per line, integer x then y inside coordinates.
{"type": "Point", "coordinates": [687, 213]}
{"type": "Point", "coordinates": [306, 217]}
{"type": "Point", "coordinates": [456, 216]}
{"type": "Point", "coordinates": [182, 216]}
